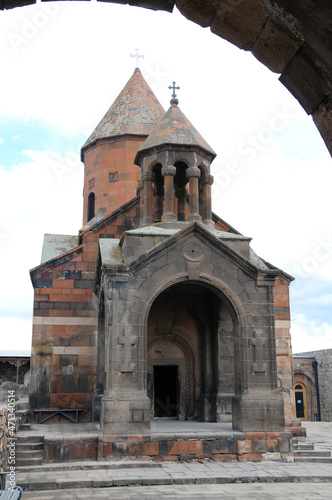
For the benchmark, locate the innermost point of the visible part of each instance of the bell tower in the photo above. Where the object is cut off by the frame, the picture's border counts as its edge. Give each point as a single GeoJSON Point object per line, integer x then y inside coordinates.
{"type": "Point", "coordinates": [110, 175]}
{"type": "Point", "coordinates": [175, 171]}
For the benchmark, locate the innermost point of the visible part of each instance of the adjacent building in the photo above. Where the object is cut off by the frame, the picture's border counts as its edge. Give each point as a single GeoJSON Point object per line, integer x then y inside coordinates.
{"type": "Point", "coordinates": [312, 384]}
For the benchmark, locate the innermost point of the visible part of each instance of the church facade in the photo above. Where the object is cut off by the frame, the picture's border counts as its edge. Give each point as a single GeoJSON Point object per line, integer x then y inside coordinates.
{"type": "Point", "coordinates": [158, 309]}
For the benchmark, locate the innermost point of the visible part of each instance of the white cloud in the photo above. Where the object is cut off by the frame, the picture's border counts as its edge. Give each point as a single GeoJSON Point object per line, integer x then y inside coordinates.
{"type": "Point", "coordinates": [48, 199]}
{"type": "Point", "coordinates": [322, 300]}
{"type": "Point", "coordinates": [15, 333]}
{"type": "Point", "coordinates": [284, 204]}
{"type": "Point", "coordinates": [1, 140]}
{"type": "Point", "coordinates": [310, 335]}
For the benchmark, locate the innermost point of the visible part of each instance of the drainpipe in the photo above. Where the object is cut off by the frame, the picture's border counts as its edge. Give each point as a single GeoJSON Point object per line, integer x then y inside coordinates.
{"type": "Point", "coordinates": [315, 367]}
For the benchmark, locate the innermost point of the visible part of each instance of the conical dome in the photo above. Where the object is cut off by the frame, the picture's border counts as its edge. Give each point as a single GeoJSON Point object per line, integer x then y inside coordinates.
{"type": "Point", "coordinates": [110, 174]}
{"type": "Point", "coordinates": [174, 129]}
{"type": "Point", "coordinates": [136, 111]}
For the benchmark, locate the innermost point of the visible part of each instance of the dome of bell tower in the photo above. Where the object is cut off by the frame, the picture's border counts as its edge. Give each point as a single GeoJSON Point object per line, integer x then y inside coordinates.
{"type": "Point", "coordinates": [175, 171]}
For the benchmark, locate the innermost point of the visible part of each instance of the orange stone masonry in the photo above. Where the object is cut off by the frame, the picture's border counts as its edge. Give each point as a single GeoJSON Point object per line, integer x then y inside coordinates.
{"type": "Point", "coordinates": [110, 173]}
{"type": "Point", "coordinates": [284, 346]}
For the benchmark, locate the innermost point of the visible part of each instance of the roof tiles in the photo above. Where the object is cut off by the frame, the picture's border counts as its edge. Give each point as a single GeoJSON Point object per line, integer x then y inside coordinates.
{"type": "Point", "coordinates": [175, 128]}
{"type": "Point", "coordinates": [136, 111]}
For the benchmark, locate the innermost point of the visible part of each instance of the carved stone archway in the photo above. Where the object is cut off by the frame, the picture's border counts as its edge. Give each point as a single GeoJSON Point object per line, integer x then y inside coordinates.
{"type": "Point", "coordinates": [176, 338]}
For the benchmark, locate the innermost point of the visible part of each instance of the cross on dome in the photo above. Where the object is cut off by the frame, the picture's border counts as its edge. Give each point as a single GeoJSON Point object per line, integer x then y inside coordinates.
{"type": "Point", "coordinates": [137, 56]}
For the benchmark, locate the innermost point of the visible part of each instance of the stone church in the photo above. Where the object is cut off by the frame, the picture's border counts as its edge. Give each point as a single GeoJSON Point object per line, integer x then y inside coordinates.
{"type": "Point", "coordinates": [158, 309]}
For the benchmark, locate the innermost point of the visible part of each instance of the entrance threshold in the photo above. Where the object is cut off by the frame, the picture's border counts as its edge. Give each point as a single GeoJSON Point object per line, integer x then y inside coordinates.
{"type": "Point", "coordinates": [183, 427]}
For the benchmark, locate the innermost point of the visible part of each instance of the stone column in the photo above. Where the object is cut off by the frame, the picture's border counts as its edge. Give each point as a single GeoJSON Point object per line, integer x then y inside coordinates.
{"type": "Point", "coordinates": [181, 196]}
{"type": "Point", "coordinates": [257, 404]}
{"type": "Point", "coordinates": [207, 181]}
{"type": "Point", "coordinates": [193, 174]}
{"type": "Point", "coordinates": [125, 405]}
{"type": "Point", "coordinates": [147, 215]}
{"type": "Point", "coordinates": [158, 193]}
{"type": "Point", "coordinates": [141, 197]}
{"type": "Point", "coordinates": [168, 172]}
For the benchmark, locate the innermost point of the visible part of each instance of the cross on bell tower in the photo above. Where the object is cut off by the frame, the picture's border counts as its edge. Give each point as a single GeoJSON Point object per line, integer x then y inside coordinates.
{"type": "Point", "coordinates": [174, 88]}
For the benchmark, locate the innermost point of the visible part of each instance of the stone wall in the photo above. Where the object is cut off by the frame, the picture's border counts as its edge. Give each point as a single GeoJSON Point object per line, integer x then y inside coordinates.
{"type": "Point", "coordinates": [235, 447]}
{"type": "Point", "coordinates": [324, 359]}
{"type": "Point", "coordinates": [64, 352]}
{"type": "Point", "coordinates": [240, 446]}
{"type": "Point", "coordinates": [111, 175]}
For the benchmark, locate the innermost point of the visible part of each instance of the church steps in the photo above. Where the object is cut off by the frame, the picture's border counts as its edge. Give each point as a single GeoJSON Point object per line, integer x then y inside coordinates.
{"type": "Point", "coordinates": [29, 451]}
{"type": "Point", "coordinates": [303, 446]}
{"type": "Point", "coordinates": [306, 452]}
{"type": "Point", "coordinates": [317, 460]}
{"type": "Point", "coordinates": [77, 466]}
{"type": "Point", "coordinates": [312, 453]}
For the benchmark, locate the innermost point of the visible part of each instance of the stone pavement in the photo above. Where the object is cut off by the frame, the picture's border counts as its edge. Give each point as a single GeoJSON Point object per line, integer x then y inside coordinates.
{"type": "Point", "coordinates": [252, 491]}
{"type": "Point", "coordinates": [319, 434]}
{"type": "Point", "coordinates": [83, 475]}
{"type": "Point", "coordinates": [262, 480]}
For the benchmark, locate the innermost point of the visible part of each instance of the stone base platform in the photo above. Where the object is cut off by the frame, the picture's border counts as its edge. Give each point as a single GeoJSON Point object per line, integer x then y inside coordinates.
{"type": "Point", "coordinates": [167, 441]}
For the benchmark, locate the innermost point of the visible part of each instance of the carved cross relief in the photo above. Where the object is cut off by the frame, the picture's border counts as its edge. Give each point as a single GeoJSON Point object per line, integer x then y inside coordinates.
{"type": "Point", "coordinates": [259, 345]}
{"type": "Point", "coordinates": [127, 343]}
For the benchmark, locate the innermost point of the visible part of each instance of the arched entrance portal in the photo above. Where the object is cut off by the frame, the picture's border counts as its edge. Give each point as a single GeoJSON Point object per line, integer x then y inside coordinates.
{"type": "Point", "coordinates": [190, 354]}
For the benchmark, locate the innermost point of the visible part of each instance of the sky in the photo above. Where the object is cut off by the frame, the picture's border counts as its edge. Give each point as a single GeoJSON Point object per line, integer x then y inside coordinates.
{"type": "Point", "coordinates": [63, 64]}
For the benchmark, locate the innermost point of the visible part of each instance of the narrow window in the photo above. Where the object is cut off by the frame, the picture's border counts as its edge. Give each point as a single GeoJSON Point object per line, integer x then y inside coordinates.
{"type": "Point", "coordinates": [91, 206]}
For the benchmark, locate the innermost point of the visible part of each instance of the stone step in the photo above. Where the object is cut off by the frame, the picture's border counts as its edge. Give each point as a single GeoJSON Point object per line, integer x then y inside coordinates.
{"type": "Point", "coordinates": [29, 450]}
{"type": "Point", "coordinates": [297, 440]}
{"type": "Point", "coordinates": [26, 447]}
{"type": "Point", "coordinates": [76, 466]}
{"type": "Point", "coordinates": [22, 404]}
{"type": "Point", "coordinates": [29, 461]}
{"type": "Point", "coordinates": [30, 439]}
{"type": "Point", "coordinates": [22, 417]}
{"type": "Point", "coordinates": [316, 460]}
{"type": "Point", "coordinates": [21, 413]}
{"type": "Point", "coordinates": [303, 446]}
{"type": "Point", "coordinates": [311, 453]}
{"type": "Point", "coordinates": [25, 426]}
{"type": "Point", "coordinates": [29, 453]}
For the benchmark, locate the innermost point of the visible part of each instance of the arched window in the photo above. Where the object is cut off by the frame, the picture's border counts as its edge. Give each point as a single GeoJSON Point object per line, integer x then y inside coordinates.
{"type": "Point", "coordinates": [91, 206]}
{"type": "Point", "coordinates": [301, 401]}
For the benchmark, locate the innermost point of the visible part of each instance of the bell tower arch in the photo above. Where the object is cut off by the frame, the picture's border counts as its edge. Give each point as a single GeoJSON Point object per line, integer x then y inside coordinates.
{"type": "Point", "coordinates": [175, 172]}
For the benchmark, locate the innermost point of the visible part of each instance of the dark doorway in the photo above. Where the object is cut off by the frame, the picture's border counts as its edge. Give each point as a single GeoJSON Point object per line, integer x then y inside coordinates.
{"type": "Point", "coordinates": [165, 391]}
{"type": "Point", "coordinates": [300, 404]}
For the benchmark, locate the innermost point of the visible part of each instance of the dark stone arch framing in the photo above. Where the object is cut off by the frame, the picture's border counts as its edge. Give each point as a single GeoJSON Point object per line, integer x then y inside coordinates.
{"type": "Point", "coordinates": [238, 283]}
